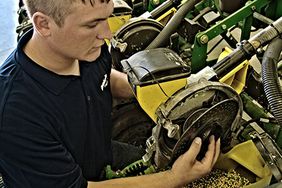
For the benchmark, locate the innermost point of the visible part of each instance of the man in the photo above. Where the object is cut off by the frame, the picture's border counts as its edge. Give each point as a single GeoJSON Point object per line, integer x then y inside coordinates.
{"type": "Point", "coordinates": [55, 98]}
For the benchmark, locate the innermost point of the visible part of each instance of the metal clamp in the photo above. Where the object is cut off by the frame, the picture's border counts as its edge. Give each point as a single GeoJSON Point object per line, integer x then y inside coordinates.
{"type": "Point", "coordinates": [119, 44]}
{"type": "Point", "coordinates": [270, 152]}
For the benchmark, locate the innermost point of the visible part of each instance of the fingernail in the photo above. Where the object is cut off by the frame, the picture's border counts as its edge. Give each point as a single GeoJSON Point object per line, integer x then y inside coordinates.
{"type": "Point", "coordinates": [211, 137]}
{"type": "Point", "coordinates": [198, 140]}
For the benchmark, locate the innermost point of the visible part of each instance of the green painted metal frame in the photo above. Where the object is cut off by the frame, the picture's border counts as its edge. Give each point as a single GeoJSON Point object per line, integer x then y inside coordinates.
{"type": "Point", "coordinates": [242, 17]}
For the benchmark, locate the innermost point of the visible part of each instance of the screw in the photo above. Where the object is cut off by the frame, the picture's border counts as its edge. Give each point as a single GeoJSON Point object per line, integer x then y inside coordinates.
{"type": "Point", "coordinates": [224, 27]}
{"type": "Point", "coordinates": [204, 39]}
{"type": "Point", "coordinates": [155, 2]}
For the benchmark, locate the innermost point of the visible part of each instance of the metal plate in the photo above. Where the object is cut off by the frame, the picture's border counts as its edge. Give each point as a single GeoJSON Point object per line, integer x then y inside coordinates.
{"type": "Point", "coordinates": [215, 121]}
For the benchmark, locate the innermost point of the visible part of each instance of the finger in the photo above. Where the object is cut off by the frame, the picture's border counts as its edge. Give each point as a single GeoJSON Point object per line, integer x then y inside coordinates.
{"type": "Point", "coordinates": [194, 149]}
{"type": "Point", "coordinates": [208, 159]}
{"type": "Point", "coordinates": [217, 151]}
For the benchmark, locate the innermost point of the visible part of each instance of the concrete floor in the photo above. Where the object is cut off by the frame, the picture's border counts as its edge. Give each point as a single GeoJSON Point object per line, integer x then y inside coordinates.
{"type": "Point", "coordinates": [8, 23]}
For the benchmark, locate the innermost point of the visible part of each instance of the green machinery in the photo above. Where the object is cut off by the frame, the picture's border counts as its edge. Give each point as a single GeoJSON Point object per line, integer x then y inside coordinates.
{"type": "Point", "coordinates": [244, 18]}
{"type": "Point", "coordinates": [197, 25]}
{"type": "Point", "coordinates": [180, 81]}
{"type": "Point", "coordinates": [194, 38]}
{"type": "Point", "coordinates": [183, 81]}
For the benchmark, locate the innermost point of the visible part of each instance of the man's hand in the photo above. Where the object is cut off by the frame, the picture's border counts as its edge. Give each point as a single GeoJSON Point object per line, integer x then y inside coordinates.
{"type": "Point", "coordinates": [187, 168]}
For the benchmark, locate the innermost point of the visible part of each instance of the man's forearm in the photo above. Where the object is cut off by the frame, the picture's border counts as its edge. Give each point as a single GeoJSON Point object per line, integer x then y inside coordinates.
{"type": "Point", "coordinates": [184, 170]}
{"type": "Point", "coordinates": [164, 179]}
{"type": "Point", "coordinates": [120, 86]}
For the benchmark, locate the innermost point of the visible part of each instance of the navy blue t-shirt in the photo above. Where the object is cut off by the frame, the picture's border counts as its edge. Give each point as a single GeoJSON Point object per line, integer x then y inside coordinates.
{"type": "Point", "coordinates": [55, 130]}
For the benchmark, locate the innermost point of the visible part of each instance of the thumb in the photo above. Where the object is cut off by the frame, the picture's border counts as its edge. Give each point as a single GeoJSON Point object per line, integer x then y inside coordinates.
{"type": "Point", "coordinates": [194, 149]}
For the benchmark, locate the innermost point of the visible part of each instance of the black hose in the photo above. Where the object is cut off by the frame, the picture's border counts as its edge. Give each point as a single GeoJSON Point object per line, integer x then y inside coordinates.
{"type": "Point", "coordinates": [270, 78]}
{"type": "Point", "coordinates": [163, 37]}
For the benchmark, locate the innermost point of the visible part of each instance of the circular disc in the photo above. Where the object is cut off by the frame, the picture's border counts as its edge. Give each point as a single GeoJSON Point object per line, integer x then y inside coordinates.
{"type": "Point", "coordinates": [216, 121]}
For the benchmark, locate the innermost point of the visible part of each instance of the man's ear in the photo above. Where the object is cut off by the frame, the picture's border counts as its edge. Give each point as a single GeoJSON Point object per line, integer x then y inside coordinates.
{"type": "Point", "coordinates": [42, 23]}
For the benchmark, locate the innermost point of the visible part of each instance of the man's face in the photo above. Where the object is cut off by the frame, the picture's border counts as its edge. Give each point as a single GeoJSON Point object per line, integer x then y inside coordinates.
{"type": "Point", "coordinates": [83, 32]}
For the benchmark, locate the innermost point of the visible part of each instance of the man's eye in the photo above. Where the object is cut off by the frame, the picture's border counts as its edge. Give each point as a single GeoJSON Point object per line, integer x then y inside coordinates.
{"type": "Point", "coordinates": [92, 25]}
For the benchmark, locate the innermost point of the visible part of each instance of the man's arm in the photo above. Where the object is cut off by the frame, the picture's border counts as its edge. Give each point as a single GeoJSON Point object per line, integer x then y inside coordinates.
{"type": "Point", "coordinates": [185, 169]}
{"type": "Point", "coordinates": [119, 85]}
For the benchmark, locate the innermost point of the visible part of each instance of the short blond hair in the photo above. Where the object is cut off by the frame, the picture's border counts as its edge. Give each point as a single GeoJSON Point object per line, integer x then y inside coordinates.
{"type": "Point", "coordinates": [56, 9]}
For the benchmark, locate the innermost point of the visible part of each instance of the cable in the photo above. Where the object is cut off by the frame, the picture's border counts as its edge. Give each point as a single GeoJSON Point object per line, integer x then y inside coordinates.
{"type": "Point", "coordinates": [255, 120]}
{"type": "Point", "coordinates": [154, 79]}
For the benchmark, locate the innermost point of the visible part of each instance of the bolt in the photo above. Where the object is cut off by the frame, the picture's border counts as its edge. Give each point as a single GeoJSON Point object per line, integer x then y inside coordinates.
{"type": "Point", "coordinates": [223, 26]}
{"type": "Point", "coordinates": [253, 8]}
{"type": "Point", "coordinates": [204, 39]}
{"type": "Point", "coordinates": [172, 129]}
{"type": "Point", "coordinates": [155, 2]}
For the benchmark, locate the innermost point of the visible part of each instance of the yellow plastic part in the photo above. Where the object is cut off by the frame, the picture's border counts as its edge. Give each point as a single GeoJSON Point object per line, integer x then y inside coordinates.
{"type": "Point", "coordinates": [164, 18]}
{"type": "Point", "coordinates": [246, 155]}
{"type": "Point", "coordinates": [115, 22]}
{"type": "Point", "coordinates": [151, 96]}
{"type": "Point", "coordinates": [237, 77]}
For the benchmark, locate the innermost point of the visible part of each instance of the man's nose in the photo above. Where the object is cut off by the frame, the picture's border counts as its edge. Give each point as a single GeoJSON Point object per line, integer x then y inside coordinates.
{"type": "Point", "coordinates": [105, 32]}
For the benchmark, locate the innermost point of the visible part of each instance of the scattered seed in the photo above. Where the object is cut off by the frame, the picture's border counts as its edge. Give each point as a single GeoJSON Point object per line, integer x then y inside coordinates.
{"type": "Point", "coordinates": [219, 178]}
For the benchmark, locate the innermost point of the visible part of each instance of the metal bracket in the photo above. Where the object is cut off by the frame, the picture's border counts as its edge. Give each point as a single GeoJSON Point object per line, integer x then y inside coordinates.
{"type": "Point", "coordinates": [270, 152]}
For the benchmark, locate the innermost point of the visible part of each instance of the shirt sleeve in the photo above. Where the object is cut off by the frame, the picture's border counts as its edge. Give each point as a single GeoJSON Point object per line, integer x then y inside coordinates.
{"type": "Point", "coordinates": [31, 155]}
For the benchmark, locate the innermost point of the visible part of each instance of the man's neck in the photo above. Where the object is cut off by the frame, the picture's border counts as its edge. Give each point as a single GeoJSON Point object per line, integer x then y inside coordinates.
{"type": "Point", "coordinates": [41, 54]}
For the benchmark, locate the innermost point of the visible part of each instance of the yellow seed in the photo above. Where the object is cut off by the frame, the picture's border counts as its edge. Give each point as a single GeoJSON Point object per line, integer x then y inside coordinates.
{"type": "Point", "coordinates": [219, 178]}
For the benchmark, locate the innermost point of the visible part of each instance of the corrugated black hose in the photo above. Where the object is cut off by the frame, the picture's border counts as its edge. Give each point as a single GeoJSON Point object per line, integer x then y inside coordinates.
{"type": "Point", "coordinates": [270, 78]}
